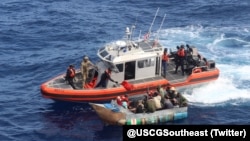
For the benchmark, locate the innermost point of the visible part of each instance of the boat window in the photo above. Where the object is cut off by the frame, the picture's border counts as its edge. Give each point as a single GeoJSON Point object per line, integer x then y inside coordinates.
{"type": "Point", "coordinates": [108, 57]}
{"type": "Point", "coordinates": [119, 67]}
{"type": "Point", "coordinates": [146, 63]}
{"type": "Point", "coordinates": [140, 64]}
{"type": "Point", "coordinates": [104, 53]}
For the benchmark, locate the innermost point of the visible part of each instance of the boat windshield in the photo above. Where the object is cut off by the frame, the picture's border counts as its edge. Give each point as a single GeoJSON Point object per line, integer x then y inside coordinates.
{"type": "Point", "coordinates": [103, 53]}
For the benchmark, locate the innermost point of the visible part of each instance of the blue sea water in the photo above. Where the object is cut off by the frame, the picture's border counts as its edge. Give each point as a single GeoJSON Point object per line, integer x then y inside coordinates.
{"type": "Point", "coordinates": [39, 39]}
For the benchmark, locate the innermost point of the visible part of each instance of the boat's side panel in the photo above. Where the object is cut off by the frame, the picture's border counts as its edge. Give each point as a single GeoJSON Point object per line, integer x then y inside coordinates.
{"type": "Point", "coordinates": [166, 117]}
{"type": "Point", "coordinates": [99, 94]}
{"type": "Point", "coordinates": [198, 78]}
{"type": "Point", "coordinates": [160, 116]}
{"type": "Point", "coordinates": [139, 87]}
{"type": "Point", "coordinates": [126, 117]}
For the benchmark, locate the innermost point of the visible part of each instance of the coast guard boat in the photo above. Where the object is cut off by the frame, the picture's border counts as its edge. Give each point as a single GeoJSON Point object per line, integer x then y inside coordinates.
{"type": "Point", "coordinates": [137, 65]}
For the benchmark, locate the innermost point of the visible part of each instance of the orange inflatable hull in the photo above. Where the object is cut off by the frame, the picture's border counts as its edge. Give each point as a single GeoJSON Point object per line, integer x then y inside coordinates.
{"type": "Point", "coordinates": [87, 95]}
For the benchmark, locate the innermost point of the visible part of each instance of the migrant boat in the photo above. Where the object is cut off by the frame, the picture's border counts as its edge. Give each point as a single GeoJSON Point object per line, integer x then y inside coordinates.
{"type": "Point", "coordinates": [116, 114]}
{"type": "Point", "coordinates": [136, 65]}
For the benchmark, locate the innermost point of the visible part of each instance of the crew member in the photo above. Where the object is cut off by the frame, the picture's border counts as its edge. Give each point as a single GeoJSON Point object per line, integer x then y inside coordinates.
{"type": "Point", "coordinates": [104, 78]}
{"type": "Point", "coordinates": [70, 74]}
{"type": "Point", "coordinates": [85, 65]}
{"type": "Point", "coordinates": [181, 57]}
{"type": "Point", "coordinates": [165, 59]}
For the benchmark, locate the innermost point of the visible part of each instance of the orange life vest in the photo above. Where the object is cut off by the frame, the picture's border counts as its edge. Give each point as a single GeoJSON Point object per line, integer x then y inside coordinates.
{"type": "Point", "coordinates": [72, 74]}
{"type": "Point", "coordinates": [181, 52]}
{"type": "Point", "coordinates": [165, 57]}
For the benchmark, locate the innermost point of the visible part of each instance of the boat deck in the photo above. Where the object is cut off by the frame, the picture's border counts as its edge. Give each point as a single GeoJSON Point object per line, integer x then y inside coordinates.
{"type": "Point", "coordinates": [60, 82]}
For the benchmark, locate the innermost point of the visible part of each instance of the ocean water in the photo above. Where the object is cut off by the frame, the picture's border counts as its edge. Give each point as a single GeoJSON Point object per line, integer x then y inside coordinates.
{"type": "Point", "coordinates": [39, 39]}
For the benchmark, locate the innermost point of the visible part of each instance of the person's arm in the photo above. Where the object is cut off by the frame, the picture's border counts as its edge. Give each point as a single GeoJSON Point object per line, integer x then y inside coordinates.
{"type": "Point", "coordinates": [81, 67]}
{"type": "Point", "coordinates": [91, 63]}
{"type": "Point", "coordinates": [109, 77]}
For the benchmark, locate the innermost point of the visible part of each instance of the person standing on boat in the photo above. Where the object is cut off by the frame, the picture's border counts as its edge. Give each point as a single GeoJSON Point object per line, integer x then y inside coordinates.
{"type": "Point", "coordinates": [181, 57]}
{"type": "Point", "coordinates": [165, 59]}
{"type": "Point", "coordinates": [70, 74]}
{"type": "Point", "coordinates": [85, 65]}
{"type": "Point", "coordinates": [105, 77]}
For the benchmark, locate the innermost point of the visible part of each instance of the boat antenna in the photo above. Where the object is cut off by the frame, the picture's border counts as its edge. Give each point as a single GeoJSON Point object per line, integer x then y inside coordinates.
{"type": "Point", "coordinates": [133, 27]}
{"type": "Point", "coordinates": [157, 37]}
{"type": "Point", "coordinates": [139, 35]}
{"type": "Point", "coordinates": [149, 31]}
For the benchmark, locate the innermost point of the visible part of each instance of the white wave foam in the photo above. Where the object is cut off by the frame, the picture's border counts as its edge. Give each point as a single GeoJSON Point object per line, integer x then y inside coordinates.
{"type": "Point", "coordinates": [233, 62]}
{"type": "Point", "coordinates": [220, 91]}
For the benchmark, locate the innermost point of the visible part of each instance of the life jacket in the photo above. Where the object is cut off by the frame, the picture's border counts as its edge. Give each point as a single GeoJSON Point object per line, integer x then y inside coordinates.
{"type": "Point", "coordinates": [72, 72]}
{"type": "Point", "coordinates": [181, 52]}
{"type": "Point", "coordinates": [128, 86]}
{"type": "Point", "coordinates": [119, 100]}
{"type": "Point", "coordinates": [165, 57]}
{"type": "Point", "coordinates": [123, 98]}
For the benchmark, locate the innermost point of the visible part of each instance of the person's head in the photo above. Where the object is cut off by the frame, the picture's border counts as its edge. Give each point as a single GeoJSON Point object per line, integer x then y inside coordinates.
{"type": "Point", "coordinates": [118, 98]}
{"type": "Point", "coordinates": [165, 50]}
{"type": "Point", "coordinates": [155, 94]}
{"type": "Point", "coordinates": [199, 56]}
{"type": "Point", "coordinates": [150, 93]}
{"type": "Point", "coordinates": [158, 87]}
{"type": "Point", "coordinates": [109, 69]}
{"type": "Point", "coordinates": [172, 90]}
{"type": "Point", "coordinates": [86, 58]}
{"type": "Point", "coordinates": [71, 66]}
{"type": "Point", "coordinates": [204, 59]}
{"type": "Point", "coordinates": [126, 95]}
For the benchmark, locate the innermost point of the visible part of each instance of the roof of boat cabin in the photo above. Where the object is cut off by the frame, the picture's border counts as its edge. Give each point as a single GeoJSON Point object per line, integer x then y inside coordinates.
{"type": "Point", "coordinates": [123, 51]}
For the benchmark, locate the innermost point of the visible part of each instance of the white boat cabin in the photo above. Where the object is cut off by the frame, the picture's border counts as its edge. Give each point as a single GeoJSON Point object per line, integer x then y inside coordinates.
{"type": "Point", "coordinates": [131, 60]}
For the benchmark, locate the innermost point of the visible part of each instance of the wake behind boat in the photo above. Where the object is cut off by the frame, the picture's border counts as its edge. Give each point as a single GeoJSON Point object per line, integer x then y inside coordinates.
{"type": "Point", "coordinates": [136, 64]}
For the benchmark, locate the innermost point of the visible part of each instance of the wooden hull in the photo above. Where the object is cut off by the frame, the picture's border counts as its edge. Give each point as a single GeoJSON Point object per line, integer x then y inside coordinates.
{"type": "Point", "coordinates": [125, 117]}
{"type": "Point", "coordinates": [101, 94]}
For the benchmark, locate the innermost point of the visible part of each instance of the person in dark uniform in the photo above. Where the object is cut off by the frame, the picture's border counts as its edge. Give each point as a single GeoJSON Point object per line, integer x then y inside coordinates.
{"type": "Point", "coordinates": [104, 78]}
{"type": "Point", "coordinates": [70, 74]}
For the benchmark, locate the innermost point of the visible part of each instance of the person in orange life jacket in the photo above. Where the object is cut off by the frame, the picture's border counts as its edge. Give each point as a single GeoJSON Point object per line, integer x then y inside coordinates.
{"type": "Point", "coordinates": [105, 77]}
{"type": "Point", "coordinates": [119, 100]}
{"type": "Point", "coordinates": [181, 57]}
{"type": "Point", "coordinates": [125, 102]}
{"type": "Point", "coordinates": [70, 74]}
{"type": "Point", "coordinates": [165, 59]}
